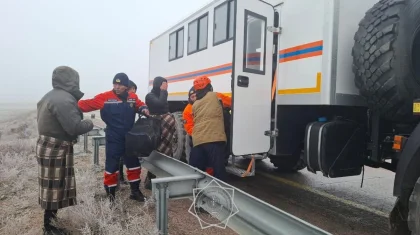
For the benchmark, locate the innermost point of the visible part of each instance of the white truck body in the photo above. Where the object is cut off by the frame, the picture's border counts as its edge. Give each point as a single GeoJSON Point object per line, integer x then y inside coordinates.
{"type": "Point", "coordinates": [314, 64]}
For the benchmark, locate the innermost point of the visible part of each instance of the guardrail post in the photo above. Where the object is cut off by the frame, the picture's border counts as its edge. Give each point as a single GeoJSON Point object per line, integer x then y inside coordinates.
{"type": "Point", "coordinates": [162, 207]}
{"type": "Point", "coordinates": [96, 153]}
{"type": "Point", "coordinates": [85, 142]}
{"type": "Point", "coordinates": [97, 141]}
{"type": "Point", "coordinates": [93, 132]}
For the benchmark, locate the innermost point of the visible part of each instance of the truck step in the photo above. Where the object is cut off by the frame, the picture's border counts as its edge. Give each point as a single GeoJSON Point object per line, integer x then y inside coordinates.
{"type": "Point", "coordinates": [233, 169]}
{"type": "Point", "coordinates": [256, 157]}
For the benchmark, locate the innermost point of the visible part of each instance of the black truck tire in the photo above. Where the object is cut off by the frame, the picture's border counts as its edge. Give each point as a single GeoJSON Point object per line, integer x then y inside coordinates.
{"type": "Point", "coordinates": [179, 136]}
{"type": "Point", "coordinates": [414, 210]}
{"type": "Point", "coordinates": [386, 57]}
{"type": "Point", "coordinates": [188, 144]}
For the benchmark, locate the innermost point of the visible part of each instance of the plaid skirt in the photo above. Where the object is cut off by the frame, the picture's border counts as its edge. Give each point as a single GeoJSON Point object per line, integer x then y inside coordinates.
{"type": "Point", "coordinates": [56, 179]}
{"type": "Point", "coordinates": [167, 133]}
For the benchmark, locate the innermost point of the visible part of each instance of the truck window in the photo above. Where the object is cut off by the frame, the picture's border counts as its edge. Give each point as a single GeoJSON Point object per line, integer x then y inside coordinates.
{"type": "Point", "coordinates": [176, 44]}
{"type": "Point", "coordinates": [255, 33]}
{"type": "Point", "coordinates": [203, 33]}
{"type": "Point", "coordinates": [231, 18]}
{"type": "Point", "coordinates": [197, 34]}
{"type": "Point", "coordinates": [180, 44]}
{"type": "Point", "coordinates": [172, 46]}
{"type": "Point", "coordinates": [223, 22]}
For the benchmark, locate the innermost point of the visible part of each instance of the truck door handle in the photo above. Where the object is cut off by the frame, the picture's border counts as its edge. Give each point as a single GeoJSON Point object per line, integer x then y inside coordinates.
{"type": "Point", "coordinates": [243, 81]}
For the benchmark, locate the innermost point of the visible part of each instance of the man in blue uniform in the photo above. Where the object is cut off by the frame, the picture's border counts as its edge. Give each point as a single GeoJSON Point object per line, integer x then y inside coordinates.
{"type": "Point", "coordinates": [118, 110]}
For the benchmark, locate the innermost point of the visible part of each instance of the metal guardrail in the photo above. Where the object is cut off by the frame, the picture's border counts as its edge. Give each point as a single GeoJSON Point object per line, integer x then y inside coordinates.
{"type": "Point", "coordinates": [178, 180]}
{"type": "Point", "coordinates": [94, 132]}
{"type": "Point", "coordinates": [97, 140]}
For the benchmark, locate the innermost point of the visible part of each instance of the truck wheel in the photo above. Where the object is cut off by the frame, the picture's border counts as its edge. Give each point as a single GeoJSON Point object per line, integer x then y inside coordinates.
{"type": "Point", "coordinates": [187, 149]}
{"type": "Point", "coordinates": [179, 136]}
{"type": "Point", "coordinates": [386, 57]}
{"type": "Point", "coordinates": [414, 209]}
{"type": "Point", "coordinates": [291, 163]}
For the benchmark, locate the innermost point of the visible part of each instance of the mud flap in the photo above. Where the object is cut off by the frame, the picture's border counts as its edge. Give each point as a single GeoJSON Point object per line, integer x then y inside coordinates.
{"type": "Point", "coordinates": [405, 179]}
{"type": "Point", "coordinates": [408, 166]}
{"type": "Point", "coordinates": [398, 218]}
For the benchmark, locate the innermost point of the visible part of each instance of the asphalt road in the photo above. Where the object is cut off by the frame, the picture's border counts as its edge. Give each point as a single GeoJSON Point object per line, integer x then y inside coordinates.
{"type": "Point", "coordinates": [338, 206]}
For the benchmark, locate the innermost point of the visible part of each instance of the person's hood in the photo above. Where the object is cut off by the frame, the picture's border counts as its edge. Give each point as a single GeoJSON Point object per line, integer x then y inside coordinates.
{"type": "Point", "coordinates": [157, 82]}
{"type": "Point", "coordinates": [66, 78]}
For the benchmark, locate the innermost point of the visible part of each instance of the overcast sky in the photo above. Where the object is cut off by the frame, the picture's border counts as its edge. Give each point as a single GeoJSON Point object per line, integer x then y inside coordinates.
{"type": "Point", "coordinates": [98, 38]}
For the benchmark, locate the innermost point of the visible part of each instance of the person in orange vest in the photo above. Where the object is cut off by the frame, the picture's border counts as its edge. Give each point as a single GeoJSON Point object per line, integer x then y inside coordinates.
{"type": "Point", "coordinates": [208, 132]}
{"type": "Point", "coordinates": [189, 122]}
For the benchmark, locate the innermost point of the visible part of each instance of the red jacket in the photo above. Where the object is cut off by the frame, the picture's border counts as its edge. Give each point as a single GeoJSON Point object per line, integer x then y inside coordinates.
{"type": "Point", "coordinates": [118, 115]}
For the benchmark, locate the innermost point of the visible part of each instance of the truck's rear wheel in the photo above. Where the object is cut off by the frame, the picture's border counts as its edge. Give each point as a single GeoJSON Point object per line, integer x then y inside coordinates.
{"type": "Point", "coordinates": [386, 58]}
{"type": "Point", "coordinates": [188, 144]}
{"type": "Point", "coordinates": [179, 136]}
{"type": "Point", "coordinates": [414, 210]}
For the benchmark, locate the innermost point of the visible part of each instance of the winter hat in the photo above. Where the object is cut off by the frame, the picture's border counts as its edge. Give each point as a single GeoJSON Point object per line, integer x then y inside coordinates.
{"type": "Point", "coordinates": [121, 78]}
{"type": "Point", "coordinates": [132, 84]}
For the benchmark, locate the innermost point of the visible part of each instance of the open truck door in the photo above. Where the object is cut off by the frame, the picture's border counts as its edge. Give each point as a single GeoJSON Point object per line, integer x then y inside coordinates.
{"type": "Point", "coordinates": [252, 77]}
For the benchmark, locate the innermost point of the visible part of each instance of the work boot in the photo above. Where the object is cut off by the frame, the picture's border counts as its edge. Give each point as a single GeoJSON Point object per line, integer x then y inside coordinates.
{"type": "Point", "coordinates": [49, 215]}
{"type": "Point", "coordinates": [136, 194]}
{"type": "Point", "coordinates": [110, 193]}
{"type": "Point", "coordinates": [51, 230]}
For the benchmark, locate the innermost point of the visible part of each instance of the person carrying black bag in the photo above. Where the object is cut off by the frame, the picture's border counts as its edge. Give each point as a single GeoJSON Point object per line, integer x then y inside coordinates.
{"type": "Point", "coordinates": [157, 101]}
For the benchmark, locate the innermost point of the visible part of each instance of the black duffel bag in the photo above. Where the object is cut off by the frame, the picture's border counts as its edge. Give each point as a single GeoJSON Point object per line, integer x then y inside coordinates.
{"type": "Point", "coordinates": [144, 137]}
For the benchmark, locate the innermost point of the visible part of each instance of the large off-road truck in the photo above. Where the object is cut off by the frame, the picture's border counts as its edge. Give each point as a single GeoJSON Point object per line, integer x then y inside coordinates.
{"type": "Point", "coordinates": [327, 85]}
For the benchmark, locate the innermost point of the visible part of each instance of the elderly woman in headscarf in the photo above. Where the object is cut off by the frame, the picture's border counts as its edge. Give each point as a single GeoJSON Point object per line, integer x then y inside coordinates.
{"type": "Point", "coordinates": [157, 101]}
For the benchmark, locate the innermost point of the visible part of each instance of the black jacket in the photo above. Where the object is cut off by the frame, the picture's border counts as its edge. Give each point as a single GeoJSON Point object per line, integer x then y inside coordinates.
{"type": "Point", "coordinates": [157, 100]}
{"type": "Point", "coordinates": [157, 104]}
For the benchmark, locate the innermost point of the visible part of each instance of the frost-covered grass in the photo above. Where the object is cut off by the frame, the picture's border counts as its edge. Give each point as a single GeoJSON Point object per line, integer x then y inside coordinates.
{"type": "Point", "coordinates": [19, 209]}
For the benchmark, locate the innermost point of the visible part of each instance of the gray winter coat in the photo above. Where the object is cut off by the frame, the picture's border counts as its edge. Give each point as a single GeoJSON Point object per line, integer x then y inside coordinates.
{"type": "Point", "coordinates": [58, 113]}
